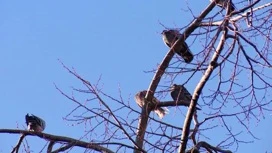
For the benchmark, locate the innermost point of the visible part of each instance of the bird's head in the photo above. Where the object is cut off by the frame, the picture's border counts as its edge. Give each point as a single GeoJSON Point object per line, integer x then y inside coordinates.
{"type": "Point", "coordinates": [143, 93]}
{"type": "Point", "coordinates": [163, 32]}
{"type": "Point", "coordinates": [175, 87]}
{"type": "Point", "coordinates": [171, 31]}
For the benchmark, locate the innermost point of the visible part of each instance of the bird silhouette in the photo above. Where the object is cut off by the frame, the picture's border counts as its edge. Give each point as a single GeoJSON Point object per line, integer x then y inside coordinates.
{"type": "Point", "coordinates": [34, 123]}
{"type": "Point", "coordinates": [140, 100]}
{"type": "Point", "coordinates": [170, 37]}
{"type": "Point", "coordinates": [224, 4]}
{"type": "Point", "coordinates": [180, 93]}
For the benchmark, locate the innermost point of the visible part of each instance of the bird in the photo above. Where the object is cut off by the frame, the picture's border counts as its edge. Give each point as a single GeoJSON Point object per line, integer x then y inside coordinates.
{"type": "Point", "coordinates": [170, 37]}
{"type": "Point", "coordinates": [180, 93]}
{"type": "Point", "coordinates": [140, 100]}
{"type": "Point", "coordinates": [224, 4]}
{"type": "Point", "coordinates": [34, 123]}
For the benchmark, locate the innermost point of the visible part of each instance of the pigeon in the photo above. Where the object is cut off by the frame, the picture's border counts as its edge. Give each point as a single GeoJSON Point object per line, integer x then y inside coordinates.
{"type": "Point", "coordinates": [140, 99]}
{"type": "Point", "coordinates": [170, 37]}
{"type": "Point", "coordinates": [180, 93]}
{"type": "Point", "coordinates": [224, 4]}
{"type": "Point", "coordinates": [34, 123]}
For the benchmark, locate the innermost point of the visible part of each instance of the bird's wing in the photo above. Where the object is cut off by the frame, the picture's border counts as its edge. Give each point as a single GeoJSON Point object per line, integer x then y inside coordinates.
{"type": "Point", "coordinates": [167, 44]}
{"type": "Point", "coordinates": [186, 93]}
{"type": "Point", "coordinates": [138, 99]}
{"type": "Point", "coordinates": [186, 49]}
{"type": "Point", "coordinates": [27, 118]}
{"type": "Point", "coordinates": [39, 121]}
{"type": "Point", "coordinates": [174, 95]}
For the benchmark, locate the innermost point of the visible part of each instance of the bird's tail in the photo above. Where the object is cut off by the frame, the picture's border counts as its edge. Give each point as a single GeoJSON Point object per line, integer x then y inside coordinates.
{"type": "Point", "coordinates": [188, 104]}
{"type": "Point", "coordinates": [161, 112]}
{"type": "Point", "coordinates": [185, 52]}
{"type": "Point", "coordinates": [187, 55]}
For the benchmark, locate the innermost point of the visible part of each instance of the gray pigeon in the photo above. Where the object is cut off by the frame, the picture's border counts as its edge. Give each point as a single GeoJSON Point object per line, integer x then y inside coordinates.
{"type": "Point", "coordinates": [34, 123]}
{"type": "Point", "coordinates": [224, 4]}
{"type": "Point", "coordinates": [140, 99]}
{"type": "Point", "coordinates": [170, 37]}
{"type": "Point", "coordinates": [180, 93]}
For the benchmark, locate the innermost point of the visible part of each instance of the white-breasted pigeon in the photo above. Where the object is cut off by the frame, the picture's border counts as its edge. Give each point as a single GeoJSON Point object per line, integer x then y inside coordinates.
{"type": "Point", "coordinates": [34, 123]}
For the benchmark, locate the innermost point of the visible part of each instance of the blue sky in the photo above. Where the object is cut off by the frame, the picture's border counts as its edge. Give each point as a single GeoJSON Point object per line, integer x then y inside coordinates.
{"type": "Point", "coordinates": [115, 40]}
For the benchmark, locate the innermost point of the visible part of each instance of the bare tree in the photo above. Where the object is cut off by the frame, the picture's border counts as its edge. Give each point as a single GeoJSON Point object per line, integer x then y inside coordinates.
{"type": "Point", "coordinates": [229, 52]}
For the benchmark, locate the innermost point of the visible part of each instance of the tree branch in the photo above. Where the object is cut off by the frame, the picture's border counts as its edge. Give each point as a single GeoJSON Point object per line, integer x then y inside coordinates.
{"type": "Point", "coordinates": [161, 69]}
{"type": "Point", "coordinates": [208, 147]}
{"type": "Point", "coordinates": [55, 138]}
{"type": "Point", "coordinates": [16, 148]}
{"type": "Point", "coordinates": [50, 146]}
{"type": "Point", "coordinates": [174, 103]}
{"type": "Point", "coordinates": [199, 87]}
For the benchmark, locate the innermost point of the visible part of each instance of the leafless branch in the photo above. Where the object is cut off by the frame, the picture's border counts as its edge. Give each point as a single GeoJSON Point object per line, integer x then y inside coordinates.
{"type": "Point", "coordinates": [55, 138]}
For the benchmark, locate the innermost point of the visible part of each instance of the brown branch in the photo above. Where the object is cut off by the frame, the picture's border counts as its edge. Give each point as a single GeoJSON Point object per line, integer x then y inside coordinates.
{"type": "Point", "coordinates": [240, 16]}
{"type": "Point", "coordinates": [69, 145]}
{"type": "Point", "coordinates": [198, 90]}
{"type": "Point", "coordinates": [91, 88]}
{"type": "Point", "coordinates": [142, 127]}
{"type": "Point", "coordinates": [193, 135]}
{"type": "Point", "coordinates": [174, 103]}
{"type": "Point", "coordinates": [16, 148]}
{"type": "Point", "coordinates": [50, 146]}
{"type": "Point", "coordinates": [244, 15]}
{"type": "Point", "coordinates": [55, 138]}
{"type": "Point", "coordinates": [208, 147]}
{"type": "Point", "coordinates": [149, 96]}
{"type": "Point", "coordinates": [161, 69]}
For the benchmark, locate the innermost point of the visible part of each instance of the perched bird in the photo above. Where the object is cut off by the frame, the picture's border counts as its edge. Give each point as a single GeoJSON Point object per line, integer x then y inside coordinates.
{"type": "Point", "coordinates": [224, 4]}
{"type": "Point", "coordinates": [140, 99]}
{"type": "Point", "coordinates": [34, 123]}
{"type": "Point", "coordinates": [180, 93]}
{"type": "Point", "coordinates": [170, 37]}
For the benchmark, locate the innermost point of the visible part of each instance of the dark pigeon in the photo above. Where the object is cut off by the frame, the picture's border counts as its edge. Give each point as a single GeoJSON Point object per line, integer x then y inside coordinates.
{"type": "Point", "coordinates": [170, 37]}
{"type": "Point", "coordinates": [224, 4]}
{"type": "Point", "coordinates": [180, 93]}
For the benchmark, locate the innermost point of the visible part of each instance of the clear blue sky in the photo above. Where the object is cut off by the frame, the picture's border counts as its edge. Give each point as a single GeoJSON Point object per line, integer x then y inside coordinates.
{"type": "Point", "coordinates": [117, 40]}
